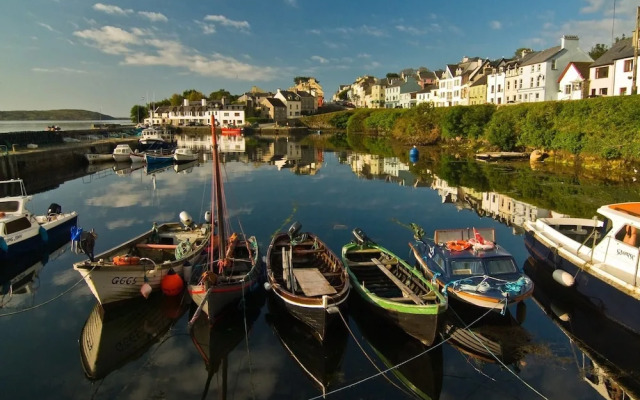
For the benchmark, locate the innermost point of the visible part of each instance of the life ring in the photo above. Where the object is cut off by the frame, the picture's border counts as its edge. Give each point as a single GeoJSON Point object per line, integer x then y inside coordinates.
{"type": "Point", "coordinates": [2, 214]}
{"type": "Point", "coordinates": [458, 245]}
{"type": "Point", "coordinates": [484, 245]}
{"type": "Point", "coordinates": [126, 260]}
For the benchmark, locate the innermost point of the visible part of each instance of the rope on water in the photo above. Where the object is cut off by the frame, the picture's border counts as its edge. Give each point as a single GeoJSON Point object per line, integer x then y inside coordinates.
{"type": "Point", "coordinates": [48, 301]}
{"type": "Point", "coordinates": [367, 355]}
{"type": "Point", "coordinates": [287, 220]}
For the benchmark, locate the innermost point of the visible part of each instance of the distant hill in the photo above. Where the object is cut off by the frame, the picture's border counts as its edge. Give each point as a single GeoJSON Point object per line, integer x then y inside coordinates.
{"type": "Point", "coordinates": [54, 115]}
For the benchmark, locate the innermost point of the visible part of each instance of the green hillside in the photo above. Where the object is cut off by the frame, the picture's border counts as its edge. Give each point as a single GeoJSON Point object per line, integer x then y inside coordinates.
{"type": "Point", "coordinates": [53, 115]}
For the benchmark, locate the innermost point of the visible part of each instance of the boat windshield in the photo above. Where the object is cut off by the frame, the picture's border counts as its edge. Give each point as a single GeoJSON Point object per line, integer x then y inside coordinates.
{"type": "Point", "coordinates": [9, 206]}
{"type": "Point", "coordinates": [490, 266]}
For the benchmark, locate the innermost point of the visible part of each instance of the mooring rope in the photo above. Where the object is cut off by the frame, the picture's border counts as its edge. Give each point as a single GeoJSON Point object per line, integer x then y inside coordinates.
{"type": "Point", "coordinates": [287, 220]}
{"type": "Point", "coordinates": [48, 301]}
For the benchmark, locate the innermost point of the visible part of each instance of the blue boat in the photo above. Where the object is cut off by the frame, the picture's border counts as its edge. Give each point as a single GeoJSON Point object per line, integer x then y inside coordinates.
{"type": "Point", "coordinates": [21, 231]}
{"type": "Point", "coordinates": [468, 265]}
{"type": "Point", "coordinates": [595, 258]}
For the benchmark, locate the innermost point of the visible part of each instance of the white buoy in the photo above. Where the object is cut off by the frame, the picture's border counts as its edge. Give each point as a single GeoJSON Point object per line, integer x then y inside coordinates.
{"type": "Point", "coordinates": [207, 216]}
{"type": "Point", "coordinates": [185, 218]}
{"type": "Point", "coordinates": [563, 277]}
{"type": "Point", "coordinates": [267, 286]}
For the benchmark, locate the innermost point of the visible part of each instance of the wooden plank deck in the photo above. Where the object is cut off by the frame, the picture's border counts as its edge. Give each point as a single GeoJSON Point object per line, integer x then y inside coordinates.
{"type": "Point", "coordinates": [312, 282]}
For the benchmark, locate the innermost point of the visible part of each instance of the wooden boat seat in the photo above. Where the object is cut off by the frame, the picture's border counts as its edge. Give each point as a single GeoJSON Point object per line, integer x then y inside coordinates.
{"type": "Point", "coordinates": [408, 292]}
{"type": "Point", "coordinates": [156, 246]}
{"type": "Point", "coordinates": [370, 263]}
{"type": "Point", "coordinates": [312, 283]}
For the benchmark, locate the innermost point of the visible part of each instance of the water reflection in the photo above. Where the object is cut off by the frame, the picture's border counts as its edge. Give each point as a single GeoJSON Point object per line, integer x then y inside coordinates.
{"type": "Point", "coordinates": [216, 340]}
{"type": "Point", "coordinates": [114, 337]}
{"type": "Point", "coordinates": [604, 352]}
{"type": "Point", "coordinates": [320, 361]}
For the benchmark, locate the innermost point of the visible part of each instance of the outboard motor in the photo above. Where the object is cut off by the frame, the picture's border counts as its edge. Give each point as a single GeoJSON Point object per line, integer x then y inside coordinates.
{"type": "Point", "coordinates": [294, 229]}
{"type": "Point", "coordinates": [186, 219]}
{"type": "Point", "coordinates": [54, 209]}
{"type": "Point", "coordinates": [360, 237]}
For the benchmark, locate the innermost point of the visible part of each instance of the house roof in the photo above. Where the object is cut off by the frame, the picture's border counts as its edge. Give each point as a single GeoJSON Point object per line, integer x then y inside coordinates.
{"type": "Point", "coordinates": [582, 68]}
{"type": "Point", "coordinates": [621, 49]}
{"type": "Point", "coordinates": [290, 96]}
{"type": "Point", "coordinates": [275, 102]}
{"type": "Point", "coordinates": [540, 56]}
{"type": "Point", "coordinates": [480, 82]}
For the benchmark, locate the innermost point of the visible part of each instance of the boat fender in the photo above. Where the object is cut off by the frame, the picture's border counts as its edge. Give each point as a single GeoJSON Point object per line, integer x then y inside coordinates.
{"type": "Point", "coordinates": [171, 284]}
{"type": "Point", "coordinates": [43, 234]}
{"type": "Point", "coordinates": [458, 245]}
{"type": "Point", "coordinates": [267, 286]}
{"type": "Point", "coordinates": [563, 277]}
{"type": "Point", "coordinates": [559, 312]}
{"type": "Point", "coordinates": [186, 271]}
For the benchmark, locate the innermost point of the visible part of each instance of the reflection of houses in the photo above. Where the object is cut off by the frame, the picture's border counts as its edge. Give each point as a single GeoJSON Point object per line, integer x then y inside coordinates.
{"type": "Point", "coordinates": [286, 154]}
{"type": "Point", "coordinates": [232, 144]}
{"type": "Point", "coordinates": [371, 166]}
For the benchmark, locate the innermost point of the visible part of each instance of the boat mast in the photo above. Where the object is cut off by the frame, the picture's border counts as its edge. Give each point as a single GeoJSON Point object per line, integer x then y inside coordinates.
{"type": "Point", "coordinates": [217, 177]}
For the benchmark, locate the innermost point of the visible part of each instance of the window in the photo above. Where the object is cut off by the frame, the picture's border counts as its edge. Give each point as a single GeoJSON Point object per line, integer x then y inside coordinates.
{"type": "Point", "coordinates": [508, 85]}
{"type": "Point", "coordinates": [603, 91]}
{"type": "Point", "coordinates": [531, 83]}
{"type": "Point", "coordinates": [492, 88]}
{"type": "Point", "coordinates": [602, 72]}
{"type": "Point", "coordinates": [467, 267]}
{"type": "Point", "coordinates": [538, 67]}
{"type": "Point", "coordinates": [520, 84]}
{"type": "Point", "coordinates": [537, 96]}
{"type": "Point", "coordinates": [623, 91]}
{"type": "Point", "coordinates": [533, 68]}
{"type": "Point", "coordinates": [567, 89]}
{"type": "Point", "coordinates": [628, 65]}
{"type": "Point", "coordinates": [554, 64]}
{"type": "Point", "coordinates": [499, 88]}
{"type": "Point", "coordinates": [500, 266]}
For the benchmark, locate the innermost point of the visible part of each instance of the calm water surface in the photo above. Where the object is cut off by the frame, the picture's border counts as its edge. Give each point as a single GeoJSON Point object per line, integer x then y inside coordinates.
{"type": "Point", "coordinates": [145, 350]}
{"type": "Point", "coordinates": [22, 126]}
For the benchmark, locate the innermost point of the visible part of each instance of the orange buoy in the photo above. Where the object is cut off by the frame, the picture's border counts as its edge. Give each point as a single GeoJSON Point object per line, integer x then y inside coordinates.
{"type": "Point", "coordinates": [172, 284]}
{"type": "Point", "coordinates": [458, 245]}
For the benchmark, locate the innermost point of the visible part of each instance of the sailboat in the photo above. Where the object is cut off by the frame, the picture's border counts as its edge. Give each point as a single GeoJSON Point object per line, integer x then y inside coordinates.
{"type": "Point", "coordinates": [232, 269]}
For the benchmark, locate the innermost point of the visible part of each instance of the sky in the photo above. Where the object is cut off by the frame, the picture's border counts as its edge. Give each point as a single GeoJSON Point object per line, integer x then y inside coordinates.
{"type": "Point", "coordinates": [109, 56]}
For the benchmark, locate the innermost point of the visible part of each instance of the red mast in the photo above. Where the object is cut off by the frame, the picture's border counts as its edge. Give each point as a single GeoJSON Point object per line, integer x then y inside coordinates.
{"type": "Point", "coordinates": [218, 203]}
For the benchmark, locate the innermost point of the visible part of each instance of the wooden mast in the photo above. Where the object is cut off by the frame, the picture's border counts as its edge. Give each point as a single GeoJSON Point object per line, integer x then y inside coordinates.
{"type": "Point", "coordinates": [217, 178]}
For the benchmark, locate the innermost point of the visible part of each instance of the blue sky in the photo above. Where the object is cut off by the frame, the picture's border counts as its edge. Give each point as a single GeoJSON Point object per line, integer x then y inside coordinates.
{"type": "Point", "coordinates": [108, 56]}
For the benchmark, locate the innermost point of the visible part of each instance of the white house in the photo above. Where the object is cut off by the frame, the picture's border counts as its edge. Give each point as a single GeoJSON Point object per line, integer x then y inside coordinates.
{"type": "Point", "coordinates": [539, 74]}
{"type": "Point", "coordinates": [574, 81]}
{"type": "Point", "coordinates": [292, 101]}
{"type": "Point", "coordinates": [602, 73]}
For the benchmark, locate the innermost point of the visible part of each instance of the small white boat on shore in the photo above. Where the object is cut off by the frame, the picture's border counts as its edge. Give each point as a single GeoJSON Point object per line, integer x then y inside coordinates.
{"type": "Point", "coordinates": [122, 153]}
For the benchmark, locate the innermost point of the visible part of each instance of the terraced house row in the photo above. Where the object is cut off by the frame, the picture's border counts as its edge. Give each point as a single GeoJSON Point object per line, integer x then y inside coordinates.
{"type": "Point", "coordinates": [563, 72]}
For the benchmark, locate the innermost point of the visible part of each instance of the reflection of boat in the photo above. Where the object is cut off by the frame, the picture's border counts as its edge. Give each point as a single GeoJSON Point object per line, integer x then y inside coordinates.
{"type": "Point", "coordinates": [393, 289]}
{"type": "Point", "coordinates": [185, 168]}
{"type": "Point", "coordinates": [307, 278]}
{"type": "Point", "coordinates": [231, 131]}
{"type": "Point", "coordinates": [112, 338]}
{"type": "Point", "coordinates": [609, 362]}
{"type": "Point", "coordinates": [490, 340]}
{"type": "Point", "coordinates": [470, 268]}
{"type": "Point", "coordinates": [216, 341]}
{"type": "Point", "coordinates": [94, 158]}
{"type": "Point", "coordinates": [233, 267]}
{"type": "Point", "coordinates": [120, 273]}
{"type": "Point", "coordinates": [21, 231]}
{"type": "Point", "coordinates": [422, 375]}
{"type": "Point", "coordinates": [598, 259]}
{"type": "Point", "coordinates": [321, 361]}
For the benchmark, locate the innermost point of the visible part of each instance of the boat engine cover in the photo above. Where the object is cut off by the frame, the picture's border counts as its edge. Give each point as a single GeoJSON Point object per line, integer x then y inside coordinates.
{"type": "Point", "coordinates": [54, 208]}
{"type": "Point", "coordinates": [185, 218]}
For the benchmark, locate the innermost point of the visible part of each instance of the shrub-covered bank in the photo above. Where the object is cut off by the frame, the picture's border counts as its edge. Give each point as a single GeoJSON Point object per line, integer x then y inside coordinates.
{"type": "Point", "coordinates": [607, 128]}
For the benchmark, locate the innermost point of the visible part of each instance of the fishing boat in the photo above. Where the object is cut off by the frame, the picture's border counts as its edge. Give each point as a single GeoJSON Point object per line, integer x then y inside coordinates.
{"type": "Point", "coordinates": [597, 258]}
{"type": "Point", "coordinates": [393, 289]}
{"type": "Point", "coordinates": [122, 153]}
{"type": "Point", "coordinates": [232, 269]}
{"type": "Point", "coordinates": [185, 155]}
{"type": "Point", "coordinates": [158, 158]}
{"type": "Point", "coordinates": [308, 278]}
{"type": "Point", "coordinates": [138, 265]}
{"type": "Point", "coordinates": [469, 266]}
{"type": "Point", "coordinates": [322, 361]}
{"type": "Point", "coordinates": [21, 231]}
{"type": "Point", "coordinates": [137, 157]}
{"type": "Point", "coordinates": [112, 338]}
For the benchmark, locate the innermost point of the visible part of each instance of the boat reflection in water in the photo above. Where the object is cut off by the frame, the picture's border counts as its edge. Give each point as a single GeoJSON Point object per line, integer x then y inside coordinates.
{"type": "Point", "coordinates": [112, 338]}
{"type": "Point", "coordinates": [321, 361]}
{"type": "Point", "coordinates": [422, 375]}
{"type": "Point", "coordinates": [491, 340]}
{"type": "Point", "coordinates": [607, 356]}
{"type": "Point", "coordinates": [216, 339]}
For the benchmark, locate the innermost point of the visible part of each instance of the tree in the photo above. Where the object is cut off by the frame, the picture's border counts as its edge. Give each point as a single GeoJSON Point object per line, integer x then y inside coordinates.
{"type": "Point", "coordinates": [598, 50]}
{"type": "Point", "coordinates": [219, 94]}
{"type": "Point", "coordinates": [192, 95]}
{"type": "Point", "coordinates": [299, 79]}
{"type": "Point", "coordinates": [176, 100]}
{"type": "Point", "coordinates": [138, 113]}
{"type": "Point", "coordinates": [392, 75]}
{"type": "Point", "coordinates": [520, 50]}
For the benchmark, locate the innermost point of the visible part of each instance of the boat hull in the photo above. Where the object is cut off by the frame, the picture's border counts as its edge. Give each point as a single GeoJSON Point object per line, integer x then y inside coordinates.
{"type": "Point", "coordinates": [612, 301]}
{"type": "Point", "coordinates": [56, 230]}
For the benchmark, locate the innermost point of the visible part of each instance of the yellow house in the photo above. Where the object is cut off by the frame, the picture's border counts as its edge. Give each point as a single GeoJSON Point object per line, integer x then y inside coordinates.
{"type": "Point", "coordinates": [478, 91]}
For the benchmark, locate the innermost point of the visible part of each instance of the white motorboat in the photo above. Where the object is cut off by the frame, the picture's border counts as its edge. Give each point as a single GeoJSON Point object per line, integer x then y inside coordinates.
{"type": "Point", "coordinates": [184, 155]}
{"type": "Point", "coordinates": [122, 153]}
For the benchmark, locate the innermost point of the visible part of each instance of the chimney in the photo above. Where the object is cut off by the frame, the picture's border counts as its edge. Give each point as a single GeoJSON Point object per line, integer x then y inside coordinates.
{"type": "Point", "coordinates": [185, 102]}
{"type": "Point", "coordinates": [224, 101]}
{"type": "Point", "coordinates": [203, 102]}
{"type": "Point", "coordinates": [569, 42]}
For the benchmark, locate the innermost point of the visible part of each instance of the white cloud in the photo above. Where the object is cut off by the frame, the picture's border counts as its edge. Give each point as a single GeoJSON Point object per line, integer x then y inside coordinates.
{"type": "Point", "coordinates": [411, 30]}
{"type": "Point", "coordinates": [593, 6]}
{"type": "Point", "coordinates": [319, 59]}
{"type": "Point", "coordinates": [47, 27]}
{"type": "Point", "coordinates": [153, 16]}
{"type": "Point", "coordinates": [109, 39]}
{"type": "Point", "coordinates": [207, 29]}
{"type": "Point", "coordinates": [109, 9]}
{"type": "Point", "coordinates": [57, 70]}
{"type": "Point", "coordinates": [224, 21]}
{"type": "Point", "coordinates": [364, 55]}
{"type": "Point", "coordinates": [495, 25]}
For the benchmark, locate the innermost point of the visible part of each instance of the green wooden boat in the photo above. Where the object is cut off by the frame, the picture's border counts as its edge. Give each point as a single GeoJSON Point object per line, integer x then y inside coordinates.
{"type": "Point", "coordinates": [394, 290]}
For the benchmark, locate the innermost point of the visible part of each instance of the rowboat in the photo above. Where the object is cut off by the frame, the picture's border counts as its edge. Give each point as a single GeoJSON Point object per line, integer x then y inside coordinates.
{"type": "Point", "coordinates": [307, 278]}
{"type": "Point", "coordinates": [139, 264]}
{"type": "Point", "coordinates": [393, 289]}
{"type": "Point", "coordinates": [468, 265]}
{"type": "Point", "coordinates": [595, 258]}
{"type": "Point", "coordinates": [184, 155]}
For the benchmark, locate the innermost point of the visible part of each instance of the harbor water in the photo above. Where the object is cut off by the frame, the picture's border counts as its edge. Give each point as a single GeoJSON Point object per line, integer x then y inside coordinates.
{"type": "Point", "coordinates": [57, 343]}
